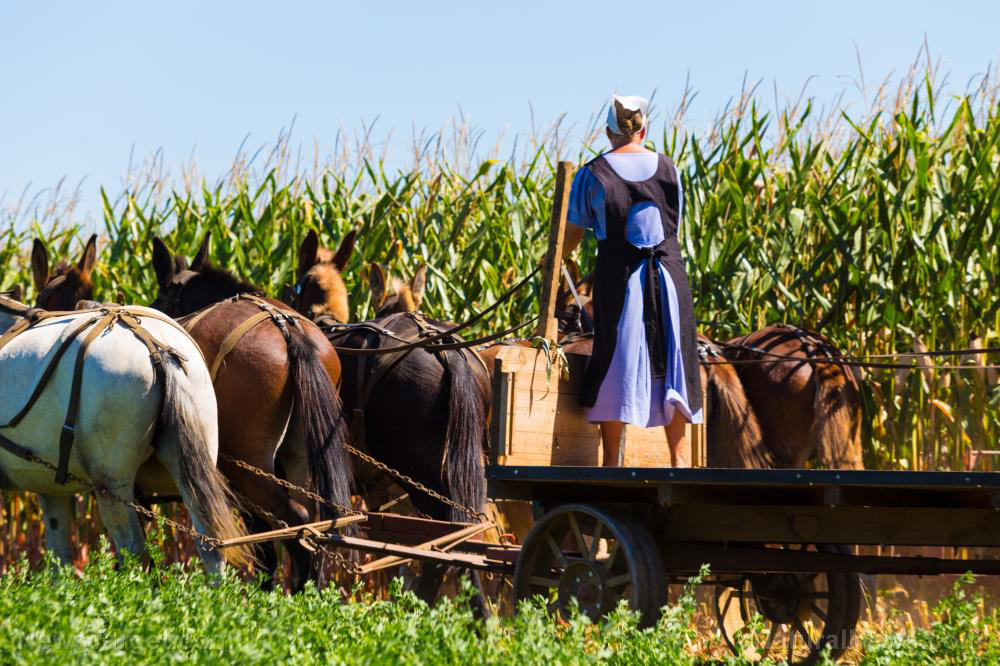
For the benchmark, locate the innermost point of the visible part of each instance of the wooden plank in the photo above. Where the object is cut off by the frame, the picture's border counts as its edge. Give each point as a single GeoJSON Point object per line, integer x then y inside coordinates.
{"type": "Point", "coordinates": [500, 415]}
{"type": "Point", "coordinates": [852, 525]}
{"type": "Point", "coordinates": [548, 327]}
{"type": "Point", "coordinates": [293, 532]}
{"type": "Point", "coordinates": [442, 543]}
{"type": "Point", "coordinates": [959, 483]}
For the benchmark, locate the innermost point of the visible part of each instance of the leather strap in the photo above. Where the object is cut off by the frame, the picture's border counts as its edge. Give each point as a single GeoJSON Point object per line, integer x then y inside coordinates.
{"type": "Point", "coordinates": [197, 317]}
{"type": "Point", "coordinates": [231, 340]}
{"type": "Point", "coordinates": [49, 371]}
{"type": "Point", "coordinates": [19, 327]}
{"type": "Point", "coordinates": [68, 432]}
{"type": "Point", "coordinates": [105, 318]}
{"type": "Point", "coordinates": [268, 311]}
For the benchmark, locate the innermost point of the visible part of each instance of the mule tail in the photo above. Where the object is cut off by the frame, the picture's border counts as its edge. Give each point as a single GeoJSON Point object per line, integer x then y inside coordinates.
{"type": "Point", "coordinates": [318, 414]}
{"type": "Point", "coordinates": [462, 466]}
{"type": "Point", "coordinates": [185, 443]}
{"type": "Point", "coordinates": [735, 438]}
{"type": "Point", "coordinates": [836, 429]}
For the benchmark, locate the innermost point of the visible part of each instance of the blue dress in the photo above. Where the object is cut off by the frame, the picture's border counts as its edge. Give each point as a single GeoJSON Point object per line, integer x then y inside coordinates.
{"type": "Point", "coordinates": [628, 392]}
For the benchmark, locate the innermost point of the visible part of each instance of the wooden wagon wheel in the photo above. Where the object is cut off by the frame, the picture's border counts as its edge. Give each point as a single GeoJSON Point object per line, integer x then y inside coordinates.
{"type": "Point", "coordinates": [595, 555]}
{"type": "Point", "coordinates": [803, 613]}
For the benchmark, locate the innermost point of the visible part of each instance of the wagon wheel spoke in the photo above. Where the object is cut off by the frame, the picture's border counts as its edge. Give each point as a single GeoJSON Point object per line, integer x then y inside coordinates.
{"type": "Point", "coordinates": [800, 628]}
{"type": "Point", "coordinates": [618, 581]}
{"type": "Point", "coordinates": [815, 594]}
{"type": "Point", "coordinates": [790, 654]}
{"type": "Point", "coordinates": [580, 543]}
{"type": "Point", "coordinates": [542, 581]}
{"type": "Point", "coordinates": [557, 551]}
{"type": "Point", "coordinates": [596, 543]}
{"type": "Point", "coordinates": [725, 607]}
{"type": "Point", "coordinates": [770, 639]}
{"type": "Point", "coordinates": [817, 611]}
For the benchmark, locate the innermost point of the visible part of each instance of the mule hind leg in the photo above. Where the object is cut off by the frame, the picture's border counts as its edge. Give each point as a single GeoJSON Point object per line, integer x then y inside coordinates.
{"type": "Point", "coordinates": [57, 511]}
{"type": "Point", "coordinates": [121, 520]}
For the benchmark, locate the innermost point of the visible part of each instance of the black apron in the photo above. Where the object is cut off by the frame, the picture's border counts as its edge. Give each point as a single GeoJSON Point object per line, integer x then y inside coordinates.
{"type": "Point", "coordinates": [617, 259]}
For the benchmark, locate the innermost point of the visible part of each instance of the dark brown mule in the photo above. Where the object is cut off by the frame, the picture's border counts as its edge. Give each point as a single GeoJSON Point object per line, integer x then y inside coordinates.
{"type": "Point", "coordinates": [423, 413]}
{"type": "Point", "coordinates": [806, 410]}
{"type": "Point", "coordinates": [65, 284]}
{"type": "Point", "coordinates": [277, 407]}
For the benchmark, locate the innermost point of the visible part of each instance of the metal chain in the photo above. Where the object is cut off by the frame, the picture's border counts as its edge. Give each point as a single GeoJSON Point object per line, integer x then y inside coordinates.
{"type": "Point", "coordinates": [477, 516]}
{"type": "Point", "coordinates": [288, 485]}
{"type": "Point", "coordinates": [209, 542]}
{"type": "Point", "coordinates": [340, 560]}
{"type": "Point", "coordinates": [350, 566]}
{"type": "Point", "coordinates": [260, 511]}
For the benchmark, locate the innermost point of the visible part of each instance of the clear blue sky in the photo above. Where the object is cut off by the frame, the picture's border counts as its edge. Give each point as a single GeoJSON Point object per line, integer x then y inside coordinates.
{"type": "Point", "coordinates": [81, 83]}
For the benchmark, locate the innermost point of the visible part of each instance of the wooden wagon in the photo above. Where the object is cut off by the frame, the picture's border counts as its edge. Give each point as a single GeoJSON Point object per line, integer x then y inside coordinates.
{"type": "Point", "coordinates": [779, 544]}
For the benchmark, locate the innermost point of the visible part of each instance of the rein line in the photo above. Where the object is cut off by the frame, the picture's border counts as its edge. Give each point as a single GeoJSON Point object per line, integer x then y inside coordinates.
{"type": "Point", "coordinates": [433, 342]}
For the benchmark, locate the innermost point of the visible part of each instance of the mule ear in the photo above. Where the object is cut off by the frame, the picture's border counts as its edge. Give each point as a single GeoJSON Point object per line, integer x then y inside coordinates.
{"type": "Point", "coordinates": [201, 258]}
{"type": "Point", "coordinates": [163, 263]}
{"type": "Point", "coordinates": [180, 264]}
{"type": "Point", "coordinates": [345, 250]}
{"type": "Point", "coordinates": [39, 264]}
{"type": "Point", "coordinates": [15, 293]}
{"type": "Point", "coordinates": [89, 257]}
{"type": "Point", "coordinates": [308, 251]}
{"type": "Point", "coordinates": [418, 284]}
{"type": "Point", "coordinates": [376, 283]}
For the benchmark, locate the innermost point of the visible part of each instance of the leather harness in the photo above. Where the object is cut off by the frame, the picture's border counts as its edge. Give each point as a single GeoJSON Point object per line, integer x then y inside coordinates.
{"type": "Point", "coordinates": [371, 370]}
{"type": "Point", "coordinates": [281, 318]}
{"type": "Point", "coordinates": [103, 319]}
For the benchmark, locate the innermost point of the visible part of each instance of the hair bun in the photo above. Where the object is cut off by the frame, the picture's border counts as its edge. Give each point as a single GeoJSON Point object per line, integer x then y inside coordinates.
{"type": "Point", "coordinates": [630, 121]}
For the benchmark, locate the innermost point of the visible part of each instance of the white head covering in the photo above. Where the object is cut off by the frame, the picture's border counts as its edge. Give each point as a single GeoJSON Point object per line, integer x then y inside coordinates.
{"type": "Point", "coordinates": [630, 102]}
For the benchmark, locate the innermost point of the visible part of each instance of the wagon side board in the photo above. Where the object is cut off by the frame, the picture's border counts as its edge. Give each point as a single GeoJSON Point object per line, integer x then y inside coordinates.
{"type": "Point", "coordinates": [537, 420]}
{"type": "Point", "coordinates": [778, 506]}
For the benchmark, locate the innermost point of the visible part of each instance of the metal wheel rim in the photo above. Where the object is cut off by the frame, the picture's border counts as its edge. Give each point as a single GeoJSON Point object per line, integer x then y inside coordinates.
{"type": "Point", "coordinates": [803, 613]}
{"type": "Point", "coordinates": [595, 555]}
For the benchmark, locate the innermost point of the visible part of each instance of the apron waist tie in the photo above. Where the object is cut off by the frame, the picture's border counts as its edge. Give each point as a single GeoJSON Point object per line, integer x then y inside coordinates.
{"type": "Point", "coordinates": [652, 306]}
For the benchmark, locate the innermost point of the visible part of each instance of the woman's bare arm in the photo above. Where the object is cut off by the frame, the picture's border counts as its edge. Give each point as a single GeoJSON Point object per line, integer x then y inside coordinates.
{"type": "Point", "coordinates": [571, 239]}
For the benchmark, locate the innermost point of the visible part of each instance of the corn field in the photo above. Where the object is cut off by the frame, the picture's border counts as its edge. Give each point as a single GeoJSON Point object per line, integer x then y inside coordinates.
{"type": "Point", "coordinates": [879, 229]}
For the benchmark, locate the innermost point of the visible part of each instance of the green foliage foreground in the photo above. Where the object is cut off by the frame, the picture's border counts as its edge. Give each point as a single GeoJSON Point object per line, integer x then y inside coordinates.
{"type": "Point", "coordinates": [176, 615]}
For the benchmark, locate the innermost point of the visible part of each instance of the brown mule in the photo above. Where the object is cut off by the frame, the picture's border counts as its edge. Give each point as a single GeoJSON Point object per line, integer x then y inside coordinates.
{"type": "Point", "coordinates": [66, 283]}
{"type": "Point", "coordinates": [806, 410]}
{"type": "Point", "coordinates": [277, 407]}
{"type": "Point", "coordinates": [422, 413]}
{"type": "Point", "coordinates": [277, 400]}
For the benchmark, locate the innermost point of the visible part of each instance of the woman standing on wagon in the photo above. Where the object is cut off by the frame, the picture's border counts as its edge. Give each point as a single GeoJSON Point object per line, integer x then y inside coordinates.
{"type": "Point", "coordinates": [644, 369]}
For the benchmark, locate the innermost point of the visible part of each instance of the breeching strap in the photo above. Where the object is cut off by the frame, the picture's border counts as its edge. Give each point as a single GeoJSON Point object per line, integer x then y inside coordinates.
{"type": "Point", "coordinates": [105, 318]}
{"type": "Point", "coordinates": [268, 311]}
